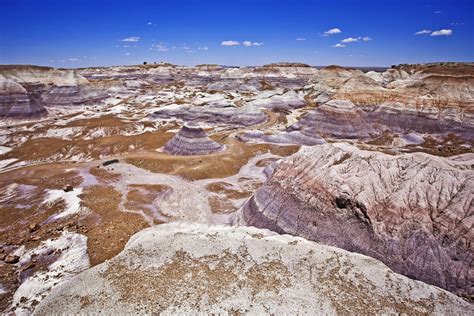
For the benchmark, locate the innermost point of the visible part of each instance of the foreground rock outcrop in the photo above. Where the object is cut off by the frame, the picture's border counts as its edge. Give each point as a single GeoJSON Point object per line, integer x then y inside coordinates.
{"type": "Point", "coordinates": [195, 268]}
{"type": "Point", "coordinates": [191, 140]}
{"type": "Point", "coordinates": [413, 212]}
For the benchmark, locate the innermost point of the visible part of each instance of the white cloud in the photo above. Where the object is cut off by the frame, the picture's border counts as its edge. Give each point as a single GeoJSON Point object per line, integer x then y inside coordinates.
{"type": "Point", "coordinates": [349, 40]}
{"type": "Point", "coordinates": [189, 51]}
{"type": "Point", "coordinates": [131, 39]}
{"type": "Point", "coordinates": [437, 12]}
{"type": "Point", "coordinates": [339, 45]}
{"type": "Point", "coordinates": [230, 43]}
{"type": "Point", "coordinates": [356, 39]}
{"type": "Point", "coordinates": [422, 32]}
{"type": "Point", "coordinates": [149, 23]}
{"type": "Point", "coordinates": [332, 32]}
{"type": "Point", "coordinates": [73, 59]}
{"type": "Point", "coordinates": [203, 48]}
{"type": "Point", "coordinates": [443, 32]}
{"type": "Point", "coordinates": [249, 43]}
{"type": "Point", "coordinates": [301, 39]}
{"type": "Point", "coordinates": [127, 54]}
{"type": "Point", "coordinates": [125, 46]}
{"type": "Point", "coordinates": [159, 47]}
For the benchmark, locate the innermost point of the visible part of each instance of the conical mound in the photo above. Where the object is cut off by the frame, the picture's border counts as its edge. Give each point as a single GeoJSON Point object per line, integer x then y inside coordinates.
{"type": "Point", "coordinates": [191, 140]}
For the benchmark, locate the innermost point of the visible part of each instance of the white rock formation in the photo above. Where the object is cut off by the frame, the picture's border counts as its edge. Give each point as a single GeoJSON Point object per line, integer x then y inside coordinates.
{"type": "Point", "coordinates": [195, 268]}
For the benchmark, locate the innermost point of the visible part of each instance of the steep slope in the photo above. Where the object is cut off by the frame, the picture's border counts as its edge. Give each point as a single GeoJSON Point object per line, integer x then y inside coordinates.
{"type": "Point", "coordinates": [414, 212]}
{"type": "Point", "coordinates": [191, 140]}
{"type": "Point", "coordinates": [16, 101]}
{"type": "Point", "coordinates": [44, 86]}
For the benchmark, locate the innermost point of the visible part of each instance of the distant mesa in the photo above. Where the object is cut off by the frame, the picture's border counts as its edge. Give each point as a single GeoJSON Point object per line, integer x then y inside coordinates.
{"type": "Point", "coordinates": [192, 140]}
{"type": "Point", "coordinates": [215, 66]}
{"type": "Point", "coordinates": [333, 68]}
{"type": "Point", "coordinates": [155, 64]}
{"type": "Point", "coordinates": [441, 68]}
{"type": "Point", "coordinates": [286, 64]}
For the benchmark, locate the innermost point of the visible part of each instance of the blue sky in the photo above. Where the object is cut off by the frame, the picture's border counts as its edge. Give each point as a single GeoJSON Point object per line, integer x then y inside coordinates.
{"type": "Point", "coordinates": [73, 33]}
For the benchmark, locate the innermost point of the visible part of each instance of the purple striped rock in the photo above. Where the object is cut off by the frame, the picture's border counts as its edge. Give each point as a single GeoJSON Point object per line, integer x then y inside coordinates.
{"type": "Point", "coordinates": [192, 140]}
{"type": "Point", "coordinates": [16, 101]}
{"type": "Point", "coordinates": [414, 212]}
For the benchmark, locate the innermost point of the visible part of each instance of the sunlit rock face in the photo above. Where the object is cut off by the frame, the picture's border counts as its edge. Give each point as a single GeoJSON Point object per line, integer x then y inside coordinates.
{"type": "Point", "coordinates": [413, 212]}
{"type": "Point", "coordinates": [195, 268]}
{"type": "Point", "coordinates": [16, 101]}
{"type": "Point", "coordinates": [191, 140]}
{"type": "Point", "coordinates": [46, 87]}
{"type": "Point", "coordinates": [344, 120]}
{"type": "Point", "coordinates": [431, 99]}
{"type": "Point", "coordinates": [218, 114]}
{"type": "Point", "coordinates": [72, 95]}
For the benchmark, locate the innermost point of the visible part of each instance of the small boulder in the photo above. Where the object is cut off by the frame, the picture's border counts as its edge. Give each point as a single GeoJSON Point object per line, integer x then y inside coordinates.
{"type": "Point", "coordinates": [12, 259]}
{"type": "Point", "coordinates": [109, 162]}
{"type": "Point", "coordinates": [68, 188]}
{"type": "Point", "coordinates": [34, 227]}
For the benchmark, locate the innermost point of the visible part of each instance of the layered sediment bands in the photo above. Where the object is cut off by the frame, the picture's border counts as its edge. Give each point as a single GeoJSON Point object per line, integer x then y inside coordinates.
{"type": "Point", "coordinates": [199, 269]}
{"type": "Point", "coordinates": [433, 99]}
{"type": "Point", "coordinates": [44, 86]}
{"type": "Point", "coordinates": [46, 75]}
{"type": "Point", "coordinates": [16, 101]}
{"type": "Point", "coordinates": [344, 120]}
{"type": "Point", "coordinates": [209, 77]}
{"type": "Point", "coordinates": [212, 115]}
{"type": "Point", "coordinates": [294, 137]}
{"type": "Point", "coordinates": [279, 102]}
{"type": "Point", "coordinates": [191, 140]}
{"type": "Point", "coordinates": [72, 95]}
{"type": "Point", "coordinates": [413, 212]}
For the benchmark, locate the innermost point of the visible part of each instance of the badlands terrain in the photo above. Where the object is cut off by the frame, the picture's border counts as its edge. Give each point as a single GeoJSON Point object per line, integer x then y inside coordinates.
{"type": "Point", "coordinates": [276, 189]}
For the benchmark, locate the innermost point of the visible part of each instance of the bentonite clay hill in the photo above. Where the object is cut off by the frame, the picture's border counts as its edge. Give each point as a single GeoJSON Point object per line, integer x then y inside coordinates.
{"type": "Point", "coordinates": [25, 90]}
{"type": "Point", "coordinates": [190, 268]}
{"type": "Point", "coordinates": [413, 212]}
{"type": "Point", "coordinates": [191, 140]}
{"type": "Point", "coordinates": [376, 162]}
